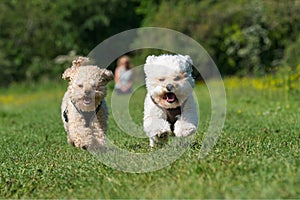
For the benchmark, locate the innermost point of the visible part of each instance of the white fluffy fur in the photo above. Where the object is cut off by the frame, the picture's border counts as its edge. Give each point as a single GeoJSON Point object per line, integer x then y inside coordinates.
{"type": "Point", "coordinates": [175, 71]}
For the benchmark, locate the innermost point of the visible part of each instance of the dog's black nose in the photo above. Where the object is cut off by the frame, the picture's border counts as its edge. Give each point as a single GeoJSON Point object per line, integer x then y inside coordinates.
{"type": "Point", "coordinates": [87, 92]}
{"type": "Point", "coordinates": [169, 87]}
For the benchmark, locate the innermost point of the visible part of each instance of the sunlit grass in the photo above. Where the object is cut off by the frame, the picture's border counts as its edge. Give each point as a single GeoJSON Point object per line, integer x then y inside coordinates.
{"type": "Point", "coordinates": [285, 80]}
{"type": "Point", "coordinates": [256, 156]}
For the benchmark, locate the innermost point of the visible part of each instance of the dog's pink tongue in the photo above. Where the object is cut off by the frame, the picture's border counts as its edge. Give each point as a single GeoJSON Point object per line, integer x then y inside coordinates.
{"type": "Point", "coordinates": [87, 100]}
{"type": "Point", "coordinates": [170, 97]}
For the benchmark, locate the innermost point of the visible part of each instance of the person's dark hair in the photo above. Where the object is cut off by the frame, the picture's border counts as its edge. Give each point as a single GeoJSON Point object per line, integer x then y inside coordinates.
{"type": "Point", "coordinates": [124, 60]}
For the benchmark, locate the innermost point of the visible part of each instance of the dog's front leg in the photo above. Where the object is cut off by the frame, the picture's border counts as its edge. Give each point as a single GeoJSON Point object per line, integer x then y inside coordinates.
{"type": "Point", "coordinates": [158, 130]}
{"type": "Point", "coordinates": [188, 121]}
{"type": "Point", "coordinates": [184, 128]}
{"type": "Point", "coordinates": [98, 141]}
{"type": "Point", "coordinates": [156, 125]}
{"type": "Point", "coordinates": [79, 136]}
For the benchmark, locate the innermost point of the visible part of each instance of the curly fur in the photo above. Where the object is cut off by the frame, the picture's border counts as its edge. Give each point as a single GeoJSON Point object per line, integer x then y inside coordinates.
{"type": "Point", "coordinates": [85, 95]}
{"type": "Point", "coordinates": [169, 107]}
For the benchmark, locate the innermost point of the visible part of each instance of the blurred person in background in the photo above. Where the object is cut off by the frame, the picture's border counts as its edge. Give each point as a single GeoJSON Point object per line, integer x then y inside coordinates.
{"type": "Point", "coordinates": [123, 76]}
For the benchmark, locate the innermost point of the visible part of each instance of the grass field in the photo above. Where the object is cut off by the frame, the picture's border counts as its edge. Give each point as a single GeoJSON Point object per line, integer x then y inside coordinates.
{"type": "Point", "coordinates": [256, 156]}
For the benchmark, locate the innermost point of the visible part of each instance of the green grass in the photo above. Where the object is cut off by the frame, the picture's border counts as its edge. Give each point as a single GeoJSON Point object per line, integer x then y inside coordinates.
{"type": "Point", "coordinates": [256, 156]}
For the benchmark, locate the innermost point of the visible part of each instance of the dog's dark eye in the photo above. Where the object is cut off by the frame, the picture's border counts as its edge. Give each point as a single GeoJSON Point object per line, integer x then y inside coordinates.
{"type": "Point", "coordinates": [80, 85]}
{"type": "Point", "coordinates": [177, 78]}
{"type": "Point", "coordinates": [161, 79]}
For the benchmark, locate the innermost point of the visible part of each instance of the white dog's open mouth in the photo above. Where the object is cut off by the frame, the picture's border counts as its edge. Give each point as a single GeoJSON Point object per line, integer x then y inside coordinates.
{"type": "Point", "coordinates": [170, 97]}
{"type": "Point", "coordinates": [87, 100]}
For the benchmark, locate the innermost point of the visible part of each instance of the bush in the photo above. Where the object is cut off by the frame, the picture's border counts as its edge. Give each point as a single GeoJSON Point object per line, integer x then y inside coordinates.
{"type": "Point", "coordinates": [243, 37]}
{"type": "Point", "coordinates": [34, 33]}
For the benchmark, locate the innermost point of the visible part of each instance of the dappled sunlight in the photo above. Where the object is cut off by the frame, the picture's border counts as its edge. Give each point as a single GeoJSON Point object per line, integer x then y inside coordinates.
{"type": "Point", "coordinates": [286, 80]}
{"type": "Point", "coordinates": [23, 99]}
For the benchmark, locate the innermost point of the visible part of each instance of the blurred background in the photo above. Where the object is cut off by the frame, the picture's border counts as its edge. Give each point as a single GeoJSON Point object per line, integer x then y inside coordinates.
{"type": "Point", "coordinates": [38, 38]}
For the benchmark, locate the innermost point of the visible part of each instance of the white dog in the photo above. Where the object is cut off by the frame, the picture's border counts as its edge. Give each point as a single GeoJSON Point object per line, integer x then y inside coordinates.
{"type": "Point", "coordinates": [84, 110]}
{"type": "Point", "coordinates": [169, 107]}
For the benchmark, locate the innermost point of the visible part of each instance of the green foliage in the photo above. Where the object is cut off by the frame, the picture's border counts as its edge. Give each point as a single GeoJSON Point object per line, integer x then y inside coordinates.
{"type": "Point", "coordinates": [291, 54]}
{"type": "Point", "coordinates": [33, 33]}
{"type": "Point", "coordinates": [241, 36]}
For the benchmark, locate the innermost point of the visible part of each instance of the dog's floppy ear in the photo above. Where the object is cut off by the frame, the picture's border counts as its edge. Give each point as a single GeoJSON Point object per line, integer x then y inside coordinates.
{"type": "Point", "coordinates": [68, 74]}
{"type": "Point", "coordinates": [108, 75]}
{"type": "Point", "coordinates": [187, 64]}
{"type": "Point", "coordinates": [188, 60]}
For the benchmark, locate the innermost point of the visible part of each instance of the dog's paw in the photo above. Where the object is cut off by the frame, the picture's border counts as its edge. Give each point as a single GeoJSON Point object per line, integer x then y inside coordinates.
{"type": "Point", "coordinates": [98, 146]}
{"type": "Point", "coordinates": [70, 141]}
{"type": "Point", "coordinates": [76, 143]}
{"type": "Point", "coordinates": [163, 134]}
{"type": "Point", "coordinates": [99, 143]}
{"type": "Point", "coordinates": [160, 137]}
{"type": "Point", "coordinates": [79, 143]}
{"type": "Point", "coordinates": [183, 129]}
{"type": "Point", "coordinates": [185, 132]}
{"type": "Point", "coordinates": [154, 141]}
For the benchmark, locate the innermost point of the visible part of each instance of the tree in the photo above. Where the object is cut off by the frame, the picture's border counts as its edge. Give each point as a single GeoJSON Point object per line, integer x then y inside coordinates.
{"type": "Point", "coordinates": [34, 32]}
{"type": "Point", "coordinates": [243, 37]}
